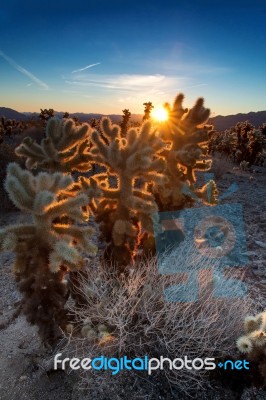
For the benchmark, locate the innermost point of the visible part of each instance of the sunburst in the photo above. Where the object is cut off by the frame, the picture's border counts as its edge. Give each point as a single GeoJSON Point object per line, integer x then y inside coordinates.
{"type": "Point", "coordinates": [159, 114]}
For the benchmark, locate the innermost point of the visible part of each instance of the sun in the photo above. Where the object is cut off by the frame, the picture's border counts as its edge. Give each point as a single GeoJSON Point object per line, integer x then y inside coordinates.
{"type": "Point", "coordinates": [159, 114]}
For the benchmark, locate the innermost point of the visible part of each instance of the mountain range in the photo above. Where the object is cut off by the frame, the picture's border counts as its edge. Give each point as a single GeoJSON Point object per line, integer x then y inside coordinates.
{"type": "Point", "coordinates": [220, 122]}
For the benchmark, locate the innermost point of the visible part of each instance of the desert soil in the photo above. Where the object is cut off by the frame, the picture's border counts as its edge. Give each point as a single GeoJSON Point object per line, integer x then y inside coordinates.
{"type": "Point", "coordinates": [26, 371]}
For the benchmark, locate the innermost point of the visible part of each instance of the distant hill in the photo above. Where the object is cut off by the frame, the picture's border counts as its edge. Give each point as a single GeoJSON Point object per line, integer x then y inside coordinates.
{"type": "Point", "coordinates": [116, 118]}
{"type": "Point", "coordinates": [84, 117]}
{"type": "Point", "coordinates": [9, 113]}
{"type": "Point", "coordinates": [221, 122]}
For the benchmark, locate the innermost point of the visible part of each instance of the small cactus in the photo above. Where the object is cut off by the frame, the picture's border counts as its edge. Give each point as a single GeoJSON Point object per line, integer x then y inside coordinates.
{"type": "Point", "coordinates": [253, 343]}
{"type": "Point", "coordinates": [244, 165]}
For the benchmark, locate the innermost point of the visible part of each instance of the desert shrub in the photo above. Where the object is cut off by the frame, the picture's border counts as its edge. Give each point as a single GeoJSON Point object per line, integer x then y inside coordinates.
{"type": "Point", "coordinates": [129, 316]}
{"type": "Point", "coordinates": [240, 143]}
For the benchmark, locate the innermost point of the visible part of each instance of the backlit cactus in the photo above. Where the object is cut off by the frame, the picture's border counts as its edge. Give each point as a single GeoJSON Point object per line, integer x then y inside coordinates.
{"type": "Point", "coordinates": [186, 153]}
{"type": "Point", "coordinates": [126, 211]}
{"type": "Point", "coordinates": [64, 149]}
{"type": "Point", "coordinates": [45, 250]}
{"type": "Point", "coordinates": [151, 167]}
{"type": "Point", "coordinates": [145, 170]}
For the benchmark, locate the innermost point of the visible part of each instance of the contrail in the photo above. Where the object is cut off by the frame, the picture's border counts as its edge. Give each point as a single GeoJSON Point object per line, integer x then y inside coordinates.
{"type": "Point", "coordinates": [82, 69]}
{"type": "Point", "coordinates": [24, 71]}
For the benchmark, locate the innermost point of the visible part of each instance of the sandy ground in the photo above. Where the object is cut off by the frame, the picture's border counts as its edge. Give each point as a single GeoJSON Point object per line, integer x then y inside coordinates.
{"type": "Point", "coordinates": [25, 372]}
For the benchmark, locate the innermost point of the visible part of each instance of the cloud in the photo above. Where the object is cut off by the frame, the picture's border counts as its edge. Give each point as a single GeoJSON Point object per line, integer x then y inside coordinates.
{"type": "Point", "coordinates": [24, 71]}
{"type": "Point", "coordinates": [124, 100]}
{"type": "Point", "coordinates": [83, 69]}
{"type": "Point", "coordinates": [139, 83]}
{"type": "Point", "coordinates": [132, 89]}
{"type": "Point", "coordinates": [174, 65]}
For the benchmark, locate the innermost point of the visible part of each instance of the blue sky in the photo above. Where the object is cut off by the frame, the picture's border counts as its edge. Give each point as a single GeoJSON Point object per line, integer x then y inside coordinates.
{"type": "Point", "coordinates": [104, 56]}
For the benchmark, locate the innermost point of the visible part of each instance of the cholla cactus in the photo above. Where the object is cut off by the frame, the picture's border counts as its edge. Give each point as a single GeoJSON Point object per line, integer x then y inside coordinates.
{"type": "Point", "coordinates": [253, 343]}
{"type": "Point", "coordinates": [125, 211]}
{"type": "Point", "coordinates": [125, 121]}
{"type": "Point", "coordinates": [147, 110]}
{"type": "Point", "coordinates": [244, 165]}
{"type": "Point", "coordinates": [96, 333]}
{"type": "Point", "coordinates": [46, 114]}
{"type": "Point", "coordinates": [261, 158]}
{"type": "Point", "coordinates": [9, 127]}
{"type": "Point", "coordinates": [64, 149]}
{"type": "Point", "coordinates": [186, 153]}
{"type": "Point", "coordinates": [224, 142]}
{"type": "Point", "coordinates": [241, 143]}
{"type": "Point", "coordinates": [45, 251]}
{"type": "Point", "coordinates": [256, 145]}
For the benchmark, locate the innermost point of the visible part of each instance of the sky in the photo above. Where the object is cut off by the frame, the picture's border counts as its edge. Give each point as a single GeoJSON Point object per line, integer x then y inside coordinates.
{"type": "Point", "coordinates": [101, 56]}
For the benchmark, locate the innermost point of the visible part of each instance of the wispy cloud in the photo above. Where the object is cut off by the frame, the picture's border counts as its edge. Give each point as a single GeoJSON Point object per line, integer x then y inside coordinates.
{"type": "Point", "coordinates": [24, 71]}
{"type": "Point", "coordinates": [127, 83]}
{"type": "Point", "coordinates": [83, 69]}
{"type": "Point", "coordinates": [132, 89]}
{"type": "Point", "coordinates": [174, 65]}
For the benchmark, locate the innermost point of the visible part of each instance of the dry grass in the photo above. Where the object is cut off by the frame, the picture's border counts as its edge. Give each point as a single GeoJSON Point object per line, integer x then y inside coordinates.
{"type": "Point", "coordinates": [141, 322]}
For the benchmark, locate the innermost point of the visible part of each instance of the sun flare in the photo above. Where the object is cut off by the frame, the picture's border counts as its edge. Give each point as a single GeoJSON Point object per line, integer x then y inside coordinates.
{"type": "Point", "coordinates": [159, 114]}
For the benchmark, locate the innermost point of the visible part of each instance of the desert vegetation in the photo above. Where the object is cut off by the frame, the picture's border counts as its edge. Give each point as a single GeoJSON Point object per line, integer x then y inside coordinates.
{"type": "Point", "coordinates": [243, 144]}
{"type": "Point", "coordinates": [86, 262]}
